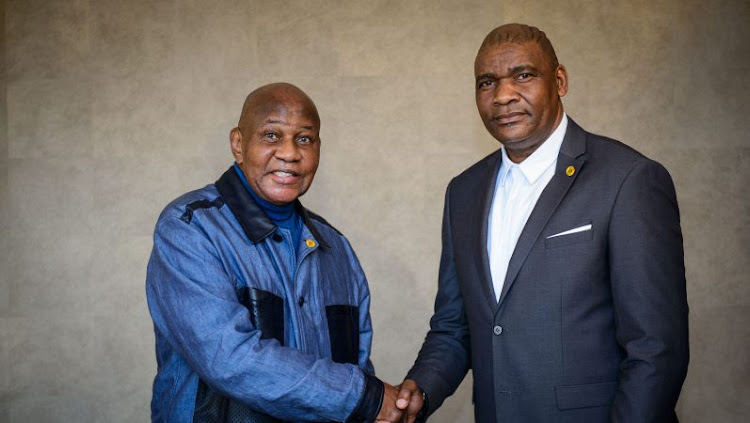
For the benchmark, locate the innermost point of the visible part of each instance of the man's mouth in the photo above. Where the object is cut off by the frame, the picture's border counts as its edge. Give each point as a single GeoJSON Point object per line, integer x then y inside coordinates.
{"type": "Point", "coordinates": [508, 118]}
{"type": "Point", "coordinates": [284, 174]}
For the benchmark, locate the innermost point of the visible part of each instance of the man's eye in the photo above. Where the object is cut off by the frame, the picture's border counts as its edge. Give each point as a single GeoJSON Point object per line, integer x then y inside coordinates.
{"type": "Point", "coordinates": [524, 76]}
{"type": "Point", "coordinates": [304, 139]}
{"type": "Point", "coordinates": [271, 136]}
{"type": "Point", "coordinates": [484, 84]}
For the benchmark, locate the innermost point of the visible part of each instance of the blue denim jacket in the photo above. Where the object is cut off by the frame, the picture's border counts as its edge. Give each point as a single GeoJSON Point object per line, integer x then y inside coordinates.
{"type": "Point", "coordinates": [211, 246]}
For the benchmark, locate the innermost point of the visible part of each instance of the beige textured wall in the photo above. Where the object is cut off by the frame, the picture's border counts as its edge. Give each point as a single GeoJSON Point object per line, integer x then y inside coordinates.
{"type": "Point", "coordinates": [112, 108]}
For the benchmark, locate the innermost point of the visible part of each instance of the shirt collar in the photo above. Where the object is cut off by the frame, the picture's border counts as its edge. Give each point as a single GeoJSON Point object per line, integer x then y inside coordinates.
{"type": "Point", "coordinates": [541, 159]}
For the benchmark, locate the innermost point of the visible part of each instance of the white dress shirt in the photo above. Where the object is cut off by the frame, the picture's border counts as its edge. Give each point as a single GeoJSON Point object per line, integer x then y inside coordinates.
{"type": "Point", "coordinates": [517, 190]}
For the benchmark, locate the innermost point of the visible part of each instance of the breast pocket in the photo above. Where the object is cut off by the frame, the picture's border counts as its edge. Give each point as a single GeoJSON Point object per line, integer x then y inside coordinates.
{"type": "Point", "coordinates": [575, 235]}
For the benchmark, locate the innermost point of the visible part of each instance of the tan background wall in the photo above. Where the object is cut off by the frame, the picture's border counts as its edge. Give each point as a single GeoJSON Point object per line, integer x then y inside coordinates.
{"type": "Point", "coordinates": [112, 108]}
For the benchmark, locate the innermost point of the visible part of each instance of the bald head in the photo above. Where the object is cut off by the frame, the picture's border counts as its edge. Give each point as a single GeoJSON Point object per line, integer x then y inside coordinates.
{"type": "Point", "coordinates": [276, 143]}
{"type": "Point", "coordinates": [270, 97]}
{"type": "Point", "coordinates": [519, 34]}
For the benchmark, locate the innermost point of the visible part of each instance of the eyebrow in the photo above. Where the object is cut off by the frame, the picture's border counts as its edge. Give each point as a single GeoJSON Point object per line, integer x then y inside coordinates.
{"type": "Point", "coordinates": [486, 75]}
{"type": "Point", "coordinates": [511, 71]}
{"type": "Point", "coordinates": [521, 68]}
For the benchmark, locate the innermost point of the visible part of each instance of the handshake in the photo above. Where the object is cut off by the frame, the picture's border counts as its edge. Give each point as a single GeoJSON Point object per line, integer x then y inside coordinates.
{"type": "Point", "coordinates": [401, 403]}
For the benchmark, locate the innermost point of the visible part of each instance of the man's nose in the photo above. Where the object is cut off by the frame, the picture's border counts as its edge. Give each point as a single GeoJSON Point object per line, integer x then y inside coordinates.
{"type": "Point", "coordinates": [505, 92]}
{"type": "Point", "coordinates": [288, 151]}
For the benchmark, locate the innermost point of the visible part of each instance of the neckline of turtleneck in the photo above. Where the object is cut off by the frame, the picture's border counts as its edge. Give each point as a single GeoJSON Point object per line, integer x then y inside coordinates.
{"type": "Point", "coordinates": [277, 213]}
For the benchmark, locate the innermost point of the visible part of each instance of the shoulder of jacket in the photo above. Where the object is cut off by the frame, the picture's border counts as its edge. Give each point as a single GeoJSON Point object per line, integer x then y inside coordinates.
{"type": "Point", "coordinates": [615, 155]}
{"type": "Point", "coordinates": [604, 145]}
{"type": "Point", "coordinates": [184, 206]}
{"type": "Point", "coordinates": [480, 167]}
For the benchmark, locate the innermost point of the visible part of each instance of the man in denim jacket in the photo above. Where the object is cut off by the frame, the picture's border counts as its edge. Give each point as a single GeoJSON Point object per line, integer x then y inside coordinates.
{"type": "Point", "coordinates": [260, 307]}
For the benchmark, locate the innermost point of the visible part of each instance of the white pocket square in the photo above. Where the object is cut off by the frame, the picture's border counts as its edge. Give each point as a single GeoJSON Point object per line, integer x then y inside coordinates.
{"type": "Point", "coordinates": [572, 231]}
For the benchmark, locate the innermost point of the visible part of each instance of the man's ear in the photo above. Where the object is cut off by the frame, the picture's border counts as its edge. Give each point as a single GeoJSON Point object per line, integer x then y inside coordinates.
{"type": "Point", "coordinates": [235, 142]}
{"type": "Point", "coordinates": [561, 76]}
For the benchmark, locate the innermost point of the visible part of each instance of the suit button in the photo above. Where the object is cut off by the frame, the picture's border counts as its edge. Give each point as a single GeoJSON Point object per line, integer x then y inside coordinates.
{"type": "Point", "coordinates": [497, 330]}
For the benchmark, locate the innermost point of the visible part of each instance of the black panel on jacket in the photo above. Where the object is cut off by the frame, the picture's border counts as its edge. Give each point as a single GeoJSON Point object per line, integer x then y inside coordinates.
{"type": "Point", "coordinates": [343, 329]}
{"type": "Point", "coordinates": [187, 217]}
{"type": "Point", "coordinates": [266, 312]}
{"type": "Point", "coordinates": [211, 407]}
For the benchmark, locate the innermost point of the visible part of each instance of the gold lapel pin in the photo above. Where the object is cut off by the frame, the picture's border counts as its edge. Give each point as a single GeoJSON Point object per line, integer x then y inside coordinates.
{"type": "Point", "coordinates": [310, 243]}
{"type": "Point", "coordinates": [570, 171]}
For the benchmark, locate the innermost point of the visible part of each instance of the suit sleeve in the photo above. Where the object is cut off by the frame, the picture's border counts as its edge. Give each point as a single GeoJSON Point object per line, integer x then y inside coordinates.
{"type": "Point", "coordinates": [649, 296]}
{"type": "Point", "coordinates": [444, 358]}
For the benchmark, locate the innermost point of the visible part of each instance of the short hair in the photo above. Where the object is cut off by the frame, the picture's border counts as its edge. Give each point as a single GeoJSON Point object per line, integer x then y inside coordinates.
{"type": "Point", "coordinates": [520, 33]}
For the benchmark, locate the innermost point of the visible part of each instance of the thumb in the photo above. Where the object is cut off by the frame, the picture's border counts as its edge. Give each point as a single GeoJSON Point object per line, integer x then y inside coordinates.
{"type": "Point", "coordinates": [404, 396]}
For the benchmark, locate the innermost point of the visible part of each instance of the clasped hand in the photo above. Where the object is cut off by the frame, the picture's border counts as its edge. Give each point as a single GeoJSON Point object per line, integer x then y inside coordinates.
{"type": "Point", "coordinates": [401, 403]}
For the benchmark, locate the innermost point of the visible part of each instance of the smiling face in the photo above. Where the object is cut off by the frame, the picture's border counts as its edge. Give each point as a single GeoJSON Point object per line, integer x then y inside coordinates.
{"type": "Point", "coordinates": [518, 90]}
{"type": "Point", "coordinates": [277, 143]}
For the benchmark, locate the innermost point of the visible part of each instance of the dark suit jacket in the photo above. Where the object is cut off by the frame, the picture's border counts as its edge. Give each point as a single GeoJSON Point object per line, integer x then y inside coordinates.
{"type": "Point", "coordinates": [591, 326]}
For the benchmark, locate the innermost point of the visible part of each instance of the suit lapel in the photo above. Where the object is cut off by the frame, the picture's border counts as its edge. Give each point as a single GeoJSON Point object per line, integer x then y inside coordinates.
{"type": "Point", "coordinates": [571, 152]}
{"type": "Point", "coordinates": [485, 191]}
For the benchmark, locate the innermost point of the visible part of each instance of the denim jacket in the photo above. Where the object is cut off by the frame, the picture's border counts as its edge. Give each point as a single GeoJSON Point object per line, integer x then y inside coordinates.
{"type": "Point", "coordinates": [235, 320]}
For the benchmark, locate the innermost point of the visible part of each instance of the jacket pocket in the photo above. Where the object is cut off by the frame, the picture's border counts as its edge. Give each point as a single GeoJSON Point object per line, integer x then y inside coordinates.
{"type": "Point", "coordinates": [343, 330]}
{"type": "Point", "coordinates": [266, 312]}
{"type": "Point", "coordinates": [584, 396]}
{"type": "Point", "coordinates": [569, 239]}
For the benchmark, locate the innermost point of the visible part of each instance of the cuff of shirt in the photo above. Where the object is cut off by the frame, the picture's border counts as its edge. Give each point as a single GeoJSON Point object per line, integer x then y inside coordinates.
{"type": "Point", "coordinates": [369, 404]}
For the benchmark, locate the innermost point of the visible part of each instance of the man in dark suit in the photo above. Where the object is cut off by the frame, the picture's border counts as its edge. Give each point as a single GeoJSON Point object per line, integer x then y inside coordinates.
{"type": "Point", "coordinates": [562, 281]}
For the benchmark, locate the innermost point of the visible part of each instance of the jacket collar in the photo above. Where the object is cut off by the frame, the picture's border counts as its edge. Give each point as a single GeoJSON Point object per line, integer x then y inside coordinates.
{"type": "Point", "coordinates": [574, 143]}
{"type": "Point", "coordinates": [253, 220]}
